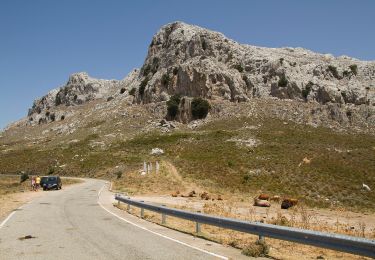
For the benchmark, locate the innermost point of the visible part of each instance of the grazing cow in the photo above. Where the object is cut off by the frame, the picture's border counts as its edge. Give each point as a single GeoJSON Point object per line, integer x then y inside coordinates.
{"type": "Point", "coordinates": [205, 196]}
{"type": "Point", "coordinates": [191, 194]}
{"type": "Point", "coordinates": [304, 161]}
{"type": "Point", "coordinates": [287, 203]}
{"type": "Point", "coordinates": [275, 198]}
{"type": "Point", "coordinates": [262, 203]}
{"type": "Point", "coordinates": [264, 197]}
{"type": "Point", "coordinates": [219, 197]}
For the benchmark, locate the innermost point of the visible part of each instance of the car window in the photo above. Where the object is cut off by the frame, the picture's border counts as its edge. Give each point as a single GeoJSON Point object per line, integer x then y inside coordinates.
{"type": "Point", "coordinates": [51, 178]}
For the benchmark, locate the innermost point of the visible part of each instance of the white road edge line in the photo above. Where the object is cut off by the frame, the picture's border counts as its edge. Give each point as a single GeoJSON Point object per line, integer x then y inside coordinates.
{"type": "Point", "coordinates": [6, 220]}
{"type": "Point", "coordinates": [158, 234]}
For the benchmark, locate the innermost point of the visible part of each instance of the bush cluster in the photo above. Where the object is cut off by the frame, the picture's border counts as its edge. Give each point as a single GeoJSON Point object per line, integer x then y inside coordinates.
{"type": "Point", "coordinates": [354, 69]}
{"type": "Point", "coordinates": [334, 71]}
{"type": "Point", "coordinates": [307, 90]}
{"type": "Point", "coordinates": [283, 82]}
{"type": "Point", "coordinates": [199, 108]}
{"type": "Point", "coordinates": [143, 86]}
{"type": "Point", "coordinates": [172, 106]}
{"type": "Point", "coordinates": [165, 80]}
{"type": "Point", "coordinates": [24, 177]}
{"type": "Point", "coordinates": [238, 67]}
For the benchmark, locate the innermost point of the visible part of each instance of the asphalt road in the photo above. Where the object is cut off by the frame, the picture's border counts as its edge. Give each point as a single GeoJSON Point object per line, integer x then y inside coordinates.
{"type": "Point", "coordinates": [70, 224]}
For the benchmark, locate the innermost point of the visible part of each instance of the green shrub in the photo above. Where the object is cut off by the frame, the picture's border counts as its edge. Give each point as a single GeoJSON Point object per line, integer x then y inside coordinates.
{"type": "Point", "coordinates": [204, 44]}
{"type": "Point", "coordinates": [58, 100]}
{"type": "Point", "coordinates": [281, 61]}
{"type": "Point", "coordinates": [199, 108]}
{"type": "Point", "coordinates": [172, 106]}
{"type": "Point", "coordinates": [283, 82]}
{"type": "Point", "coordinates": [24, 177]}
{"type": "Point", "coordinates": [257, 249]}
{"type": "Point", "coordinates": [52, 117]}
{"type": "Point", "coordinates": [307, 90]}
{"type": "Point", "coordinates": [132, 91]}
{"type": "Point", "coordinates": [122, 90]}
{"type": "Point", "coordinates": [51, 170]}
{"type": "Point", "coordinates": [146, 70]}
{"type": "Point", "coordinates": [333, 71]}
{"type": "Point", "coordinates": [165, 80]}
{"type": "Point", "coordinates": [354, 69]}
{"type": "Point", "coordinates": [118, 174]}
{"type": "Point", "coordinates": [238, 67]}
{"type": "Point", "coordinates": [143, 86]}
{"type": "Point", "coordinates": [175, 71]}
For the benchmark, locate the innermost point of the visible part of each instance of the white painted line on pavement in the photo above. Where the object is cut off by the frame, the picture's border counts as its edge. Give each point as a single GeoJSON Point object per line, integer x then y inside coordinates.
{"type": "Point", "coordinates": [6, 220]}
{"type": "Point", "coordinates": [158, 234]}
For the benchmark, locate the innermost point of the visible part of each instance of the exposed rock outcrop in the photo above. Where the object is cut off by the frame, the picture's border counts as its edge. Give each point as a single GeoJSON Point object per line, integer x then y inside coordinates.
{"type": "Point", "coordinates": [192, 61]}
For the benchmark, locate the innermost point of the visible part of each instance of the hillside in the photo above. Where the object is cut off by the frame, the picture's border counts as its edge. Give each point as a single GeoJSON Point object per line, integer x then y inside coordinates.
{"type": "Point", "coordinates": [270, 109]}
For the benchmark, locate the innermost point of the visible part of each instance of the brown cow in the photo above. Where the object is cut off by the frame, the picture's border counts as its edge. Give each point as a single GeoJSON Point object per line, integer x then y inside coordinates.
{"type": "Point", "coordinates": [264, 196]}
{"type": "Point", "coordinates": [275, 198]}
{"type": "Point", "coordinates": [191, 193]}
{"type": "Point", "coordinates": [287, 203]}
{"type": "Point", "coordinates": [262, 203]}
{"type": "Point", "coordinates": [205, 196]}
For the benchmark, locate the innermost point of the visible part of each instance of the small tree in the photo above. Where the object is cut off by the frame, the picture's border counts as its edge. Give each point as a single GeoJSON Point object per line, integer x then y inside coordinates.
{"type": "Point", "coordinates": [118, 174]}
{"type": "Point", "coordinates": [354, 69]}
{"type": "Point", "coordinates": [172, 106]}
{"type": "Point", "coordinates": [307, 90]}
{"type": "Point", "coordinates": [283, 82]}
{"type": "Point", "coordinates": [334, 71]}
{"type": "Point", "coordinates": [122, 90]}
{"type": "Point", "coordinates": [143, 86]}
{"type": "Point", "coordinates": [165, 80]}
{"type": "Point", "coordinates": [51, 170]}
{"type": "Point", "coordinates": [132, 91]}
{"type": "Point", "coordinates": [199, 108]}
{"type": "Point", "coordinates": [238, 67]}
{"type": "Point", "coordinates": [24, 176]}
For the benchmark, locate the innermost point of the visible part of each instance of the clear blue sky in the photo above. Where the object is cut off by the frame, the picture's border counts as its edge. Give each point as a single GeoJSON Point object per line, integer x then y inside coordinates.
{"type": "Point", "coordinates": [43, 41]}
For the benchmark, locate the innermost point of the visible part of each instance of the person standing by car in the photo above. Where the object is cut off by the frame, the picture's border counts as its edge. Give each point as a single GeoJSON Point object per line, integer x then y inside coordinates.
{"type": "Point", "coordinates": [37, 181]}
{"type": "Point", "coordinates": [33, 183]}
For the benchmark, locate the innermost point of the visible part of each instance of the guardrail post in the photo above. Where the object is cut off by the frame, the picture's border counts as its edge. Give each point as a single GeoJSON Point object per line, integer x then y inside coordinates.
{"type": "Point", "coordinates": [142, 211]}
{"type": "Point", "coordinates": [197, 226]}
{"type": "Point", "coordinates": [261, 238]}
{"type": "Point", "coordinates": [128, 207]}
{"type": "Point", "coordinates": [163, 218]}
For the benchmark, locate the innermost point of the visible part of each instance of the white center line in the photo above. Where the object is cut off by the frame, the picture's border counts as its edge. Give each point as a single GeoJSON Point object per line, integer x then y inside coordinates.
{"type": "Point", "coordinates": [158, 234]}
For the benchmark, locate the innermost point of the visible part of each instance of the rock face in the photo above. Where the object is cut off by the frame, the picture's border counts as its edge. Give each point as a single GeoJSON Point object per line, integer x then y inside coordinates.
{"type": "Point", "coordinates": [193, 61]}
{"type": "Point", "coordinates": [80, 88]}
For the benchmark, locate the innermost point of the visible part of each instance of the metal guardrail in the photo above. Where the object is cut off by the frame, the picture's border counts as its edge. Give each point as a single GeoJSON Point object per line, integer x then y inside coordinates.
{"type": "Point", "coordinates": [343, 243]}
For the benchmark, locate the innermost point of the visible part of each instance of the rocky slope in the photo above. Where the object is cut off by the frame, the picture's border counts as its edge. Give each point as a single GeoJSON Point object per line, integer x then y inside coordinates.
{"type": "Point", "coordinates": [192, 61]}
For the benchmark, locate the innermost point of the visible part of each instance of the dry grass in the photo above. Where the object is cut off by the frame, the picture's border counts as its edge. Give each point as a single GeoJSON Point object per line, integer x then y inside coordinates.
{"type": "Point", "coordinates": [248, 243]}
{"type": "Point", "coordinates": [133, 183]}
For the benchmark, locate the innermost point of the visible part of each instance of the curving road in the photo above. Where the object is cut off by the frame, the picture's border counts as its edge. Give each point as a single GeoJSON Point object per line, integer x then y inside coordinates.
{"type": "Point", "coordinates": [77, 223]}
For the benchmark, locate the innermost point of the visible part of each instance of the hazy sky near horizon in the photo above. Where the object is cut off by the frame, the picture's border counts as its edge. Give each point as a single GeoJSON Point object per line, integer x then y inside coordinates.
{"type": "Point", "coordinates": [42, 42]}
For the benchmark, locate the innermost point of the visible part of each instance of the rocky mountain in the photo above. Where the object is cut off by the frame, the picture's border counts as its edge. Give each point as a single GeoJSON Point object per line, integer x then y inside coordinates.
{"type": "Point", "coordinates": [196, 62]}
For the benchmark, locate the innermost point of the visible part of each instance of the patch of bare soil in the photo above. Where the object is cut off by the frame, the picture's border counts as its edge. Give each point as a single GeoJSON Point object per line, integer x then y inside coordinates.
{"type": "Point", "coordinates": [13, 201]}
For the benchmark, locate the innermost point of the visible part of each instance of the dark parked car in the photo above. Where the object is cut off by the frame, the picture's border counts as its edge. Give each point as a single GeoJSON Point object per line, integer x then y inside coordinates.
{"type": "Point", "coordinates": [51, 182]}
